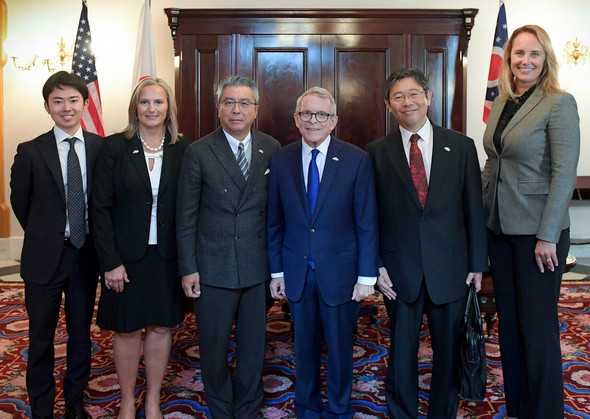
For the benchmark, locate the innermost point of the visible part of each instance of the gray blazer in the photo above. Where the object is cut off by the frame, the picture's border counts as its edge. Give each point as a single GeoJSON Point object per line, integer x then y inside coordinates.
{"type": "Point", "coordinates": [535, 173]}
{"type": "Point", "coordinates": [220, 217]}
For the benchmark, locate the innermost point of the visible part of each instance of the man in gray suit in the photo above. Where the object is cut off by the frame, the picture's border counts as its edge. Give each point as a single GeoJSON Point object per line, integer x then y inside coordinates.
{"type": "Point", "coordinates": [222, 249]}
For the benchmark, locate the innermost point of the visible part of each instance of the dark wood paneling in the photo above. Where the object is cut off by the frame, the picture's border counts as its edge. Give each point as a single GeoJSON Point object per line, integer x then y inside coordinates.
{"type": "Point", "coordinates": [283, 66]}
{"type": "Point", "coordinates": [349, 52]}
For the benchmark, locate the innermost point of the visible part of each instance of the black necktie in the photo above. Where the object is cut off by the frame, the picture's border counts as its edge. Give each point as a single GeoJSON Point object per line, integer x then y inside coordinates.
{"type": "Point", "coordinates": [75, 198]}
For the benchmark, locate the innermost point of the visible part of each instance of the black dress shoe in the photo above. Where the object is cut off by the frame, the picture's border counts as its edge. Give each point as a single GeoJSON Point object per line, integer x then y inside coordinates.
{"type": "Point", "coordinates": [77, 412]}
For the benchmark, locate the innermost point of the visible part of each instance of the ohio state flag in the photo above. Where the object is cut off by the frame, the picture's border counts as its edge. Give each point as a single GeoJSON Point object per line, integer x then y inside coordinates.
{"type": "Point", "coordinates": [500, 39]}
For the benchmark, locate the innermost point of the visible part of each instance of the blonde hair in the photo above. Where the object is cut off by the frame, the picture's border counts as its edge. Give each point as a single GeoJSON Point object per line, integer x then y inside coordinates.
{"type": "Point", "coordinates": [171, 121]}
{"type": "Point", "coordinates": [548, 80]}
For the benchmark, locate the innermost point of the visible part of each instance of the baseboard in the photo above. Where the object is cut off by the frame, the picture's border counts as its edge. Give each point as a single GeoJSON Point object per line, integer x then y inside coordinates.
{"type": "Point", "coordinates": [10, 248]}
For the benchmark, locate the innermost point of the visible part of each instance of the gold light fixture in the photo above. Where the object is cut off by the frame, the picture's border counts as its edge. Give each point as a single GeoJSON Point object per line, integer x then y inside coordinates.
{"type": "Point", "coordinates": [26, 53]}
{"type": "Point", "coordinates": [574, 52]}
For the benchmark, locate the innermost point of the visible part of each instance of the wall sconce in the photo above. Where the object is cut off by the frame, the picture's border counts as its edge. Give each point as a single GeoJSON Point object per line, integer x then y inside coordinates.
{"type": "Point", "coordinates": [26, 53]}
{"type": "Point", "coordinates": [575, 52]}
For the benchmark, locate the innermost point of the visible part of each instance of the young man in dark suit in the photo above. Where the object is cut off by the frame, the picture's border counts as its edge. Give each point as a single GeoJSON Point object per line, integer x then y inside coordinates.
{"type": "Point", "coordinates": [432, 242]}
{"type": "Point", "coordinates": [50, 190]}
{"type": "Point", "coordinates": [222, 248]}
{"type": "Point", "coordinates": [322, 229]}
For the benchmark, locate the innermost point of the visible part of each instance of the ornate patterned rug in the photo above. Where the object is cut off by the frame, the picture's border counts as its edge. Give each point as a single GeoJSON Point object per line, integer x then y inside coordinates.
{"type": "Point", "coordinates": [182, 394]}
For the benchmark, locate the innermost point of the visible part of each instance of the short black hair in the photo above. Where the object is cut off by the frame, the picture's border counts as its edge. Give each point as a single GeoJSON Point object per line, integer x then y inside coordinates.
{"type": "Point", "coordinates": [405, 73]}
{"type": "Point", "coordinates": [61, 79]}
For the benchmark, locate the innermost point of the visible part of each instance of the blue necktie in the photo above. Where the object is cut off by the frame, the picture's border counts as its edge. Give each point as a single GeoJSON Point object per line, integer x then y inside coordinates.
{"type": "Point", "coordinates": [313, 186]}
{"type": "Point", "coordinates": [313, 181]}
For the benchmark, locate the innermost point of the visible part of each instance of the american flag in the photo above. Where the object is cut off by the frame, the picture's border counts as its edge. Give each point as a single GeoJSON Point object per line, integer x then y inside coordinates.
{"type": "Point", "coordinates": [500, 39]}
{"type": "Point", "coordinates": [83, 65]}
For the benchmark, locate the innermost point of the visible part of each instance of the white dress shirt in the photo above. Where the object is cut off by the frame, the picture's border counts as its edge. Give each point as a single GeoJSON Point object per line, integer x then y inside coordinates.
{"type": "Point", "coordinates": [234, 144]}
{"type": "Point", "coordinates": [63, 148]}
{"type": "Point", "coordinates": [425, 144]}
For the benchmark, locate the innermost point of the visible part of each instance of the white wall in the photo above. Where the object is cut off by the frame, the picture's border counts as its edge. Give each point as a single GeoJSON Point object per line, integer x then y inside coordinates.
{"type": "Point", "coordinates": [114, 30]}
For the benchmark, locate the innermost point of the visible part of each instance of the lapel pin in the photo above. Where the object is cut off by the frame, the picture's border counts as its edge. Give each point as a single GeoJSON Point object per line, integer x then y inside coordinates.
{"type": "Point", "coordinates": [335, 158]}
{"type": "Point", "coordinates": [447, 149]}
{"type": "Point", "coordinates": [135, 151]}
{"type": "Point", "coordinates": [260, 151]}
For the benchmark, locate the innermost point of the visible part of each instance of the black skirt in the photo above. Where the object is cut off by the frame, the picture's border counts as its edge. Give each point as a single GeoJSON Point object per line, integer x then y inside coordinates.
{"type": "Point", "coordinates": [152, 297]}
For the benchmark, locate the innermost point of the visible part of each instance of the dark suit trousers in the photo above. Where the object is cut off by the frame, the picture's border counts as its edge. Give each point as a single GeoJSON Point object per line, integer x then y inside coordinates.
{"type": "Point", "coordinates": [312, 319]}
{"type": "Point", "coordinates": [444, 324]}
{"type": "Point", "coordinates": [76, 276]}
{"type": "Point", "coordinates": [216, 310]}
{"type": "Point", "coordinates": [528, 327]}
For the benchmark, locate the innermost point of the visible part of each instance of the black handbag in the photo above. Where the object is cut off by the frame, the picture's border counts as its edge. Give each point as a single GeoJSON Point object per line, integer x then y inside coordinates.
{"type": "Point", "coordinates": [472, 363]}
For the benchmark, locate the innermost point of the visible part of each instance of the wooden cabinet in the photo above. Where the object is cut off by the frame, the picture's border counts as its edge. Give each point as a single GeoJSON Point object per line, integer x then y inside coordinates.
{"type": "Point", "coordinates": [348, 52]}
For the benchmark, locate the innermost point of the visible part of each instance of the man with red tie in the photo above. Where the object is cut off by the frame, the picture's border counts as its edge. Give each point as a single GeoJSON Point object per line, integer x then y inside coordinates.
{"type": "Point", "coordinates": [432, 241]}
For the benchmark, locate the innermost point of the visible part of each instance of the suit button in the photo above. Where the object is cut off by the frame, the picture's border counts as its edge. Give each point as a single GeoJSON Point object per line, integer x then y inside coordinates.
{"type": "Point", "coordinates": [261, 213]}
{"type": "Point", "coordinates": [305, 256]}
{"type": "Point", "coordinates": [147, 203]}
{"type": "Point", "coordinates": [237, 238]}
{"type": "Point", "coordinates": [260, 236]}
{"type": "Point", "coordinates": [312, 230]}
{"type": "Point", "coordinates": [237, 214]}
{"type": "Point", "coordinates": [499, 180]}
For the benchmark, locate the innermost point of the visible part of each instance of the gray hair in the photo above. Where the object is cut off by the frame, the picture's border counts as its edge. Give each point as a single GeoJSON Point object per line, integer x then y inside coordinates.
{"type": "Point", "coordinates": [321, 92]}
{"type": "Point", "coordinates": [234, 80]}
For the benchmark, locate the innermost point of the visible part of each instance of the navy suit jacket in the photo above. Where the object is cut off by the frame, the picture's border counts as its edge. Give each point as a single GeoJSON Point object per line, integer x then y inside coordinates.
{"type": "Point", "coordinates": [38, 199]}
{"type": "Point", "coordinates": [341, 233]}
{"type": "Point", "coordinates": [446, 240]}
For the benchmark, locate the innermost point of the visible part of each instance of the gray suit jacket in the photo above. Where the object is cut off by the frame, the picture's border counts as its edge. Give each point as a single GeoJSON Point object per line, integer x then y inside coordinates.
{"type": "Point", "coordinates": [220, 217]}
{"type": "Point", "coordinates": [535, 173]}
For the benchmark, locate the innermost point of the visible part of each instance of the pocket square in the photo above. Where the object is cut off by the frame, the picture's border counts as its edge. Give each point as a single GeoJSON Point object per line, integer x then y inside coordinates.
{"type": "Point", "coordinates": [267, 171]}
{"type": "Point", "coordinates": [335, 158]}
{"type": "Point", "coordinates": [447, 149]}
{"type": "Point", "coordinates": [261, 150]}
{"type": "Point", "coordinates": [135, 151]}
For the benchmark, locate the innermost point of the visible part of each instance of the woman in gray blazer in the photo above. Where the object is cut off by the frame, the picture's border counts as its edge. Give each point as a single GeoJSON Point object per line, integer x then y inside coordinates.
{"type": "Point", "coordinates": [133, 210]}
{"type": "Point", "coordinates": [532, 142]}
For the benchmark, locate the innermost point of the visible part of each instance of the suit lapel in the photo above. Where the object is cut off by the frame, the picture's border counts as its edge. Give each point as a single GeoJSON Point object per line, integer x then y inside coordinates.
{"type": "Point", "coordinates": [256, 166]}
{"type": "Point", "coordinates": [527, 107]}
{"type": "Point", "coordinates": [135, 151]}
{"type": "Point", "coordinates": [92, 149]}
{"type": "Point", "coordinates": [223, 152]}
{"type": "Point", "coordinates": [167, 163]}
{"type": "Point", "coordinates": [333, 163]}
{"type": "Point", "coordinates": [397, 155]}
{"type": "Point", "coordinates": [295, 166]}
{"type": "Point", "coordinates": [441, 151]}
{"type": "Point", "coordinates": [48, 148]}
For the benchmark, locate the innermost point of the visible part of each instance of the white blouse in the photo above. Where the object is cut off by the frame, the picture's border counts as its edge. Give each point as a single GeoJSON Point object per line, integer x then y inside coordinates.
{"type": "Point", "coordinates": [155, 174]}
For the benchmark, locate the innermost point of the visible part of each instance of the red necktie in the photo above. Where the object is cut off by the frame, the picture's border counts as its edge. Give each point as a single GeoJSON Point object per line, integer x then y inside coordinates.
{"type": "Point", "coordinates": [417, 169]}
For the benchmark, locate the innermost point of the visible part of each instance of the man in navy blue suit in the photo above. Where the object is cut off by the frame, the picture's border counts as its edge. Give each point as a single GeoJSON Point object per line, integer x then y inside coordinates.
{"type": "Point", "coordinates": [322, 239]}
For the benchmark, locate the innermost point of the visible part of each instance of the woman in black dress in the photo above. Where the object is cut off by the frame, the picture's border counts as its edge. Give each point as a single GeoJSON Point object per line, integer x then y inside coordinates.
{"type": "Point", "coordinates": [133, 209]}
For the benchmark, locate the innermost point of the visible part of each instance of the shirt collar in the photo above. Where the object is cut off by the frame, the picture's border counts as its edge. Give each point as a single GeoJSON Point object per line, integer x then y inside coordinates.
{"type": "Point", "coordinates": [61, 135]}
{"type": "Point", "coordinates": [323, 147]}
{"type": "Point", "coordinates": [234, 142]}
{"type": "Point", "coordinates": [423, 132]}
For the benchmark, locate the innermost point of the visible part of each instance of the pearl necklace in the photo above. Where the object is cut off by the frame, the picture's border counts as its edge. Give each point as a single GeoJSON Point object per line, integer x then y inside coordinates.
{"type": "Point", "coordinates": [153, 149]}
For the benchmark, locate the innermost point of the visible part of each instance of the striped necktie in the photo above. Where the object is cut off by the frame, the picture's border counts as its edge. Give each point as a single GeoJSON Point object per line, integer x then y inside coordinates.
{"type": "Point", "coordinates": [242, 160]}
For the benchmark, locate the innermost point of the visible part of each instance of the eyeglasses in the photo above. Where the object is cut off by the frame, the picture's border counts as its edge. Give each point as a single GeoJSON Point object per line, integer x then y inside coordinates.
{"type": "Point", "coordinates": [413, 95]}
{"type": "Point", "coordinates": [306, 116]}
{"type": "Point", "coordinates": [244, 104]}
